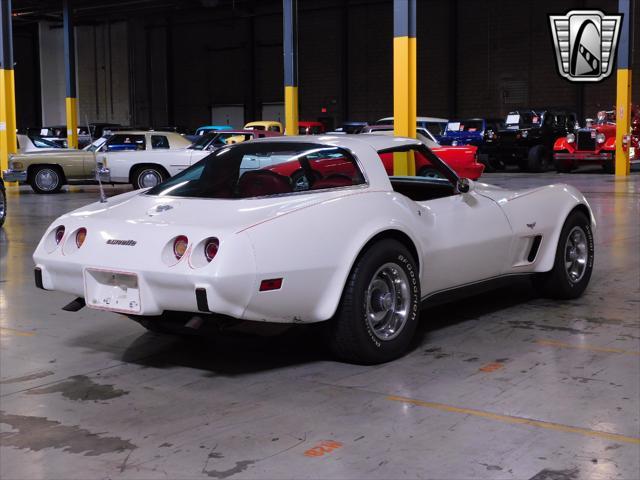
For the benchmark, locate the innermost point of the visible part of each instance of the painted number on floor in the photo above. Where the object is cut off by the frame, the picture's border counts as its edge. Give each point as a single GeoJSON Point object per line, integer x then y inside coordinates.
{"type": "Point", "coordinates": [324, 447]}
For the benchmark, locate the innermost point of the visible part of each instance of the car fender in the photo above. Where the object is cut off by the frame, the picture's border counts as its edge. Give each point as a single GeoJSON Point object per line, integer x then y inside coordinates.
{"type": "Point", "coordinates": [543, 211]}
{"type": "Point", "coordinates": [562, 144]}
{"type": "Point", "coordinates": [322, 242]}
{"type": "Point", "coordinates": [609, 144]}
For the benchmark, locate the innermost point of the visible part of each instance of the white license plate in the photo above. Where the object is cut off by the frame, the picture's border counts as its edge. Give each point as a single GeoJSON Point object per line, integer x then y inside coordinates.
{"type": "Point", "coordinates": [113, 291]}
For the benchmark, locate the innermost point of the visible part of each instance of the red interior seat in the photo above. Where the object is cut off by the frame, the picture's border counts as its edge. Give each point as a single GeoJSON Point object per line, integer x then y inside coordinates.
{"type": "Point", "coordinates": [258, 183]}
{"type": "Point", "coordinates": [333, 181]}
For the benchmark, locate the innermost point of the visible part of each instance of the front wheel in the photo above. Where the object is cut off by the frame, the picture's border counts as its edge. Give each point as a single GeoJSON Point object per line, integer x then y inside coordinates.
{"type": "Point", "coordinates": [379, 308]}
{"type": "Point", "coordinates": [147, 177]}
{"type": "Point", "coordinates": [609, 166]}
{"type": "Point", "coordinates": [573, 263]}
{"type": "Point", "coordinates": [46, 179]}
{"type": "Point", "coordinates": [538, 159]}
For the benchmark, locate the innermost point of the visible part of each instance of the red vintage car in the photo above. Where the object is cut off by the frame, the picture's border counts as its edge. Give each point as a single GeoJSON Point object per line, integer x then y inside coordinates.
{"type": "Point", "coordinates": [463, 160]}
{"type": "Point", "coordinates": [595, 144]}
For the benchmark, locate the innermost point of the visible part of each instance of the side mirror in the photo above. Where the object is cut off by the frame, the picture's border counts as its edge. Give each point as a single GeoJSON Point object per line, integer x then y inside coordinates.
{"type": "Point", "coordinates": [464, 185]}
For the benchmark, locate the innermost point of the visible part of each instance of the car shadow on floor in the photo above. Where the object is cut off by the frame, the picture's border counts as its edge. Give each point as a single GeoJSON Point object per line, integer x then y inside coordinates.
{"type": "Point", "coordinates": [234, 354]}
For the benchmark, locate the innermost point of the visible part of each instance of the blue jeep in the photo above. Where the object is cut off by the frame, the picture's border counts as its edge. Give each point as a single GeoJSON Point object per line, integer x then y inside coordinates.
{"type": "Point", "coordinates": [471, 131]}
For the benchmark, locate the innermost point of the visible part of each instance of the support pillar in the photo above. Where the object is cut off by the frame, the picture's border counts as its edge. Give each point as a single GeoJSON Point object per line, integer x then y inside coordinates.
{"type": "Point", "coordinates": [623, 97]}
{"type": "Point", "coordinates": [404, 80]}
{"type": "Point", "coordinates": [290, 41]}
{"type": "Point", "coordinates": [71, 102]}
{"type": "Point", "coordinates": [8, 139]}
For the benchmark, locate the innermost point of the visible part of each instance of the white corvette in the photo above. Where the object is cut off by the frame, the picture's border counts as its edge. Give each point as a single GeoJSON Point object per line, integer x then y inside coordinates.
{"type": "Point", "coordinates": [351, 245]}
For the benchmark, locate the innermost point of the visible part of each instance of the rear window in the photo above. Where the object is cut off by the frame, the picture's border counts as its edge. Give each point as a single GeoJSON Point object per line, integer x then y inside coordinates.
{"type": "Point", "coordinates": [159, 141]}
{"type": "Point", "coordinates": [264, 169]}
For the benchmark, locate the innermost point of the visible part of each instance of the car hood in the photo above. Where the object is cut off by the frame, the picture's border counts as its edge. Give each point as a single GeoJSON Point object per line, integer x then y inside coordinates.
{"type": "Point", "coordinates": [502, 195]}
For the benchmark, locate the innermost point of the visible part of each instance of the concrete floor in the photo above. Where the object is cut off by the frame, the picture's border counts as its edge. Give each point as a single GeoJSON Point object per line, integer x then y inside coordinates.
{"type": "Point", "coordinates": [505, 385]}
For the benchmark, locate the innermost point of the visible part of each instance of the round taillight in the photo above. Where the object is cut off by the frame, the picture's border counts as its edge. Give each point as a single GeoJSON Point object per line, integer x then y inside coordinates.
{"type": "Point", "coordinates": [59, 234]}
{"type": "Point", "coordinates": [211, 248]}
{"type": "Point", "coordinates": [180, 245]}
{"type": "Point", "coordinates": [81, 235]}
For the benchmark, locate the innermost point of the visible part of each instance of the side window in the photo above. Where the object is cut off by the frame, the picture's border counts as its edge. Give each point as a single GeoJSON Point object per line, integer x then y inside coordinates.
{"type": "Point", "coordinates": [123, 142]}
{"type": "Point", "coordinates": [274, 128]}
{"type": "Point", "coordinates": [159, 141]}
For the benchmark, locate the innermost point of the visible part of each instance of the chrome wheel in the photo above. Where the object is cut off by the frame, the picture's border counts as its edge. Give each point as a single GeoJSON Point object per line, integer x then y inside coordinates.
{"type": "Point", "coordinates": [576, 254]}
{"type": "Point", "coordinates": [388, 301]}
{"type": "Point", "coordinates": [300, 183]}
{"type": "Point", "coordinates": [430, 173]}
{"type": "Point", "coordinates": [47, 179]}
{"type": "Point", "coordinates": [149, 178]}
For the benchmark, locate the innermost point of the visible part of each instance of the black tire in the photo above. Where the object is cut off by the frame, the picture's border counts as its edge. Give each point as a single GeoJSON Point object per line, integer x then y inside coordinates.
{"type": "Point", "coordinates": [46, 179]}
{"type": "Point", "coordinates": [299, 181]}
{"type": "Point", "coordinates": [609, 166]}
{"type": "Point", "coordinates": [558, 283]}
{"type": "Point", "coordinates": [3, 206]}
{"type": "Point", "coordinates": [429, 172]}
{"type": "Point", "coordinates": [538, 159]}
{"type": "Point", "coordinates": [145, 175]}
{"type": "Point", "coordinates": [352, 336]}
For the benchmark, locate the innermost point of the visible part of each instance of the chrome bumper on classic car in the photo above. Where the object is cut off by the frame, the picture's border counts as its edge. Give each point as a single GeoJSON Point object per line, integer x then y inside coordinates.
{"type": "Point", "coordinates": [583, 156]}
{"type": "Point", "coordinates": [103, 174]}
{"type": "Point", "coordinates": [14, 175]}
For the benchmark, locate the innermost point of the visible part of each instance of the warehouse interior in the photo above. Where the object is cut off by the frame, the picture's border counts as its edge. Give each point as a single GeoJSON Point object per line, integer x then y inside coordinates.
{"type": "Point", "coordinates": [501, 383]}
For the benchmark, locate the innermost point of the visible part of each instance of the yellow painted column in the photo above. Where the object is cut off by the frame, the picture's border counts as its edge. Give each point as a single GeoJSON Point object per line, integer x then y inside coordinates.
{"type": "Point", "coordinates": [623, 96]}
{"type": "Point", "coordinates": [404, 81]}
{"type": "Point", "coordinates": [8, 139]}
{"type": "Point", "coordinates": [71, 105]}
{"type": "Point", "coordinates": [623, 121]}
{"type": "Point", "coordinates": [290, 41]}
{"type": "Point", "coordinates": [291, 109]}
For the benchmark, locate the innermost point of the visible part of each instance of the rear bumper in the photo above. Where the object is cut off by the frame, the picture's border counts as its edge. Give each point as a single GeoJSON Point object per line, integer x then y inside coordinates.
{"type": "Point", "coordinates": [14, 175]}
{"type": "Point", "coordinates": [158, 291]}
{"type": "Point", "coordinates": [472, 171]}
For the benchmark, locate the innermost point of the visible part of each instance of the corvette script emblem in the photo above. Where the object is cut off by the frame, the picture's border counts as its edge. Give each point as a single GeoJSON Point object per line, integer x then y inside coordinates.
{"type": "Point", "coordinates": [585, 43]}
{"type": "Point", "coordinates": [124, 243]}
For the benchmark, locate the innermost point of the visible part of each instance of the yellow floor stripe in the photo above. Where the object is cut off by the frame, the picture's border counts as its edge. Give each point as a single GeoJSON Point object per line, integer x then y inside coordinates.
{"type": "Point", "coordinates": [518, 420]}
{"type": "Point", "coordinates": [13, 331]}
{"type": "Point", "coordinates": [553, 343]}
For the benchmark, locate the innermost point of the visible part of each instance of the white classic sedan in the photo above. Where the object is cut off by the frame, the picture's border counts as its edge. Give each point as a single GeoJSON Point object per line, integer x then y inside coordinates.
{"type": "Point", "coordinates": [362, 250]}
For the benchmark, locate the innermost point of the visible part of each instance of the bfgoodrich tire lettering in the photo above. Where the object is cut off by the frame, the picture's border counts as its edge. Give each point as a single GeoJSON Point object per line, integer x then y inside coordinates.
{"type": "Point", "coordinates": [564, 281]}
{"type": "Point", "coordinates": [379, 308]}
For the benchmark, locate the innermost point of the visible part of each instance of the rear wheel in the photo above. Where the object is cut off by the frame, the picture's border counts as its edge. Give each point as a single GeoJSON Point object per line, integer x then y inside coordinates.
{"type": "Point", "coordinates": [148, 176]}
{"type": "Point", "coordinates": [379, 308]}
{"type": "Point", "coordinates": [538, 159]}
{"type": "Point", "coordinates": [573, 263]}
{"type": "Point", "coordinates": [46, 179]}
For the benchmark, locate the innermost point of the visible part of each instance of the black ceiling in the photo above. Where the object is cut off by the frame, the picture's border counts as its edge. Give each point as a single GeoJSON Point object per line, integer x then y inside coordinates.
{"type": "Point", "coordinates": [88, 11]}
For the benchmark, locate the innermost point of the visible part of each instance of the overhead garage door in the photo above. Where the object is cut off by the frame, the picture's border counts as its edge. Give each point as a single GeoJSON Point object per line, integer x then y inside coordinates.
{"type": "Point", "coordinates": [273, 111]}
{"type": "Point", "coordinates": [228, 115]}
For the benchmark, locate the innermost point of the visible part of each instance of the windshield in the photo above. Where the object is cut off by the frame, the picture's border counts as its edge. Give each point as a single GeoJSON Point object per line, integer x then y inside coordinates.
{"type": "Point", "coordinates": [211, 141]}
{"type": "Point", "coordinates": [96, 144]}
{"type": "Point", "coordinates": [264, 169]}
{"type": "Point", "coordinates": [523, 120]}
{"type": "Point", "coordinates": [435, 128]}
{"type": "Point", "coordinates": [465, 126]}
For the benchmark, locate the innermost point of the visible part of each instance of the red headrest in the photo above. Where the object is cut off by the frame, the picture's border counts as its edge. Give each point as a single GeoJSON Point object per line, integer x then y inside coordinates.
{"type": "Point", "coordinates": [257, 183]}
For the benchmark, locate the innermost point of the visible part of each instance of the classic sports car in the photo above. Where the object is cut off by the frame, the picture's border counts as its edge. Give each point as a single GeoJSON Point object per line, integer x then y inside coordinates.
{"type": "Point", "coordinates": [593, 145]}
{"type": "Point", "coordinates": [123, 157]}
{"type": "Point", "coordinates": [362, 249]}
